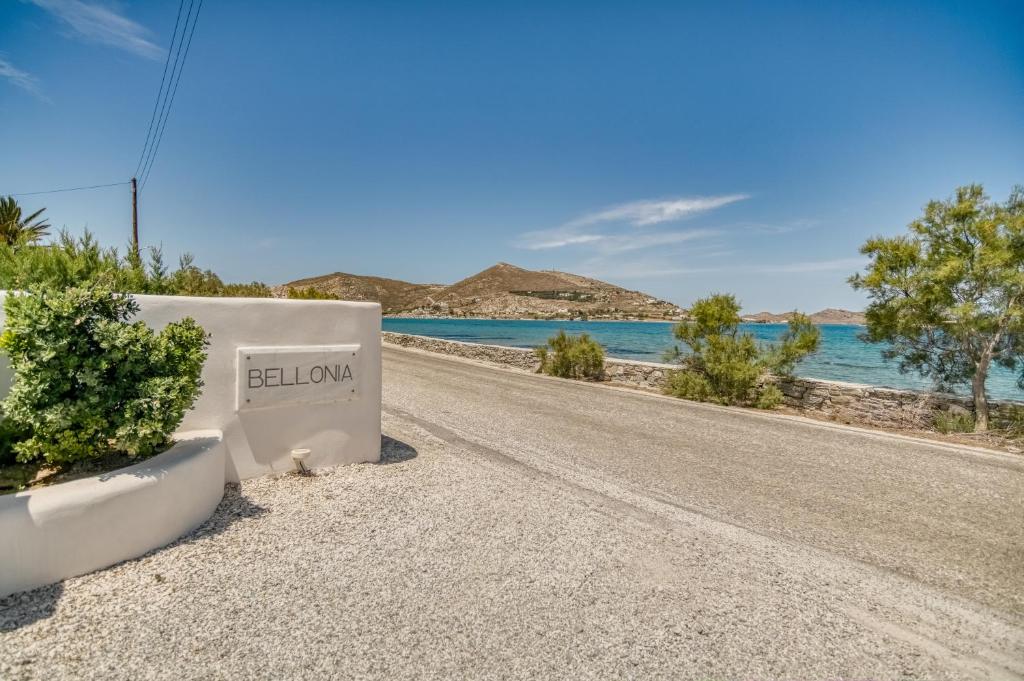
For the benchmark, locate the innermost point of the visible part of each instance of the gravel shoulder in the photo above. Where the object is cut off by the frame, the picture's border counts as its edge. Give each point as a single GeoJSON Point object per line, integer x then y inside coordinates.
{"type": "Point", "coordinates": [477, 550]}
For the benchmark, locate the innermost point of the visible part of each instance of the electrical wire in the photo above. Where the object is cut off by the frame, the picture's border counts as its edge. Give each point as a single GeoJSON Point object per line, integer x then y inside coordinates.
{"type": "Point", "coordinates": [72, 189]}
{"type": "Point", "coordinates": [161, 116]}
{"type": "Point", "coordinates": [160, 93]}
{"type": "Point", "coordinates": [174, 90]}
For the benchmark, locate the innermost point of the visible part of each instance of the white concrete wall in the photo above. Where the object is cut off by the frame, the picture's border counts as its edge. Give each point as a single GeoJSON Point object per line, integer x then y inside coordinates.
{"type": "Point", "coordinates": [260, 441]}
{"type": "Point", "coordinates": [52, 533]}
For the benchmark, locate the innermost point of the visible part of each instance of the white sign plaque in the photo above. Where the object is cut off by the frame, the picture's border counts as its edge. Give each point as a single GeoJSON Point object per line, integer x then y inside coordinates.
{"type": "Point", "coordinates": [296, 374]}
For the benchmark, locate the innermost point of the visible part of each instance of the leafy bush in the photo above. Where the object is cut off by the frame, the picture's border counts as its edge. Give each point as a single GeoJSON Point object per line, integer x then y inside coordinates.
{"type": "Point", "coordinates": [571, 357]}
{"type": "Point", "coordinates": [70, 261]}
{"type": "Point", "coordinates": [88, 382]}
{"type": "Point", "coordinates": [10, 434]}
{"type": "Point", "coordinates": [254, 289]}
{"type": "Point", "coordinates": [310, 294]}
{"type": "Point", "coordinates": [954, 422]}
{"type": "Point", "coordinates": [689, 385]}
{"type": "Point", "coordinates": [726, 366]}
{"type": "Point", "coordinates": [189, 280]}
{"type": "Point", "coordinates": [769, 398]}
{"type": "Point", "coordinates": [1014, 428]}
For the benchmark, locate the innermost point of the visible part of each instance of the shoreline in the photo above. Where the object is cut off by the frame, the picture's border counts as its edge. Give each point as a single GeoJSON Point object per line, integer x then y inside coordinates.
{"type": "Point", "coordinates": [568, 319]}
{"type": "Point", "coordinates": [881, 408]}
{"type": "Point", "coordinates": [656, 359]}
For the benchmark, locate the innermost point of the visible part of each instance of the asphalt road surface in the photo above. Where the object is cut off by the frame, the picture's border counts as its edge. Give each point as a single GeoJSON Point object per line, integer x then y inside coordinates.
{"type": "Point", "coordinates": [920, 541]}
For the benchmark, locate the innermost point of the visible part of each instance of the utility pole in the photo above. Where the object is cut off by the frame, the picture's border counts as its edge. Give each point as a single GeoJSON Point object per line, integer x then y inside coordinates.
{"type": "Point", "coordinates": [135, 216]}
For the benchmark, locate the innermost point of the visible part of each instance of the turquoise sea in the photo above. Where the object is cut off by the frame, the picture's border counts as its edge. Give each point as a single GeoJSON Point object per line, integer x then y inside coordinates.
{"type": "Point", "coordinates": [843, 356]}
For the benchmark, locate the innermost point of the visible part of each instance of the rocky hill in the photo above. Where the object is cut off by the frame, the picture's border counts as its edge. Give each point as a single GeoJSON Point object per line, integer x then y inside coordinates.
{"type": "Point", "coordinates": [829, 315]}
{"type": "Point", "coordinates": [503, 291]}
{"type": "Point", "coordinates": [392, 294]}
{"type": "Point", "coordinates": [508, 292]}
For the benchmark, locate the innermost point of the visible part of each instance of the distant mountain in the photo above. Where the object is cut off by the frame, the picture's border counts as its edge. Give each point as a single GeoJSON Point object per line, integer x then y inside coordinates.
{"type": "Point", "coordinates": [829, 315]}
{"type": "Point", "coordinates": [392, 294]}
{"type": "Point", "coordinates": [503, 291]}
{"type": "Point", "coordinates": [508, 292]}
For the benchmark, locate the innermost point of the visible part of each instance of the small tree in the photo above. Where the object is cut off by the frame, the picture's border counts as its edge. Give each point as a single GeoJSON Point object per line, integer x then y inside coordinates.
{"type": "Point", "coordinates": [571, 357]}
{"type": "Point", "coordinates": [87, 381]}
{"type": "Point", "coordinates": [310, 293]}
{"type": "Point", "coordinates": [948, 298]}
{"type": "Point", "coordinates": [726, 365]}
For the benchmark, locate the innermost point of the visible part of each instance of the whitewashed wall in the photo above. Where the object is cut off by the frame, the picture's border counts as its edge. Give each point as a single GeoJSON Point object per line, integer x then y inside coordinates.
{"type": "Point", "coordinates": [260, 441]}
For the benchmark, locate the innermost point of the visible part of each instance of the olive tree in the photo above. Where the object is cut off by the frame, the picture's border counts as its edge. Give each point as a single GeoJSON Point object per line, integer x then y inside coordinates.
{"type": "Point", "coordinates": [948, 297]}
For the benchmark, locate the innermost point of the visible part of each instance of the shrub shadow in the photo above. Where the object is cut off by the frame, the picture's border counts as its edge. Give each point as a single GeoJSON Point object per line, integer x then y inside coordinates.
{"type": "Point", "coordinates": [395, 451]}
{"type": "Point", "coordinates": [233, 507]}
{"type": "Point", "coordinates": [25, 607]}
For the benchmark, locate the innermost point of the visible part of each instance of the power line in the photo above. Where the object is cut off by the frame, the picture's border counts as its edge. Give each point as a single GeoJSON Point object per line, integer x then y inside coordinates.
{"type": "Point", "coordinates": [72, 189]}
{"type": "Point", "coordinates": [174, 89]}
{"type": "Point", "coordinates": [177, 42]}
{"type": "Point", "coordinates": [160, 92]}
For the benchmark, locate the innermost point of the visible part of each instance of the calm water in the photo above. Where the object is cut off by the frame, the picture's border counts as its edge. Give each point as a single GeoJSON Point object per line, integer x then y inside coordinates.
{"type": "Point", "coordinates": [843, 357]}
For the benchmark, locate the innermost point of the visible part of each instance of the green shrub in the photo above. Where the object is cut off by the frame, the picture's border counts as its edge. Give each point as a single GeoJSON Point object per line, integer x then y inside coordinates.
{"type": "Point", "coordinates": [724, 365]}
{"type": "Point", "coordinates": [255, 289]}
{"type": "Point", "coordinates": [70, 261]}
{"type": "Point", "coordinates": [1013, 425]}
{"type": "Point", "coordinates": [88, 382]}
{"type": "Point", "coordinates": [689, 385]}
{"type": "Point", "coordinates": [189, 280]}
{"type": "Point", "coordinates": [954, 422]}
{"type": "Point", "coordinates": [769, 398]}
{"type": "Point", "coordinates": [310, 294]}
{"type": "Point", "coordinates": [66, 262]}
{"type": "Point", "coordinates": [571, 357]}
{"type": "Point", "coordinates": [10, 435]}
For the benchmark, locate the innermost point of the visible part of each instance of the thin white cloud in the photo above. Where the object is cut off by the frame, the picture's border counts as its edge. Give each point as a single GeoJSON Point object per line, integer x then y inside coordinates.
{"type": "Point", "coordinates": [22, 79]}
{"type": "Point", "coordinates": [99, 24]}
{"type": "Point", "coordinates": [610, 243]}
{"type": "Point", "coordinates": [603, 230]}
{"type": "Point", "coordinates": [635, 242]}
{"type": "Point", "coordinates": [644, 213]}
{"type": "Point", "coordinates": [539, 241]}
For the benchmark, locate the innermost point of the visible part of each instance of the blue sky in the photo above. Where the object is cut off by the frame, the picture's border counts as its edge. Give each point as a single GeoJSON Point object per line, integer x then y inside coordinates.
{"type": "Point", "coordinates": [676, 148]}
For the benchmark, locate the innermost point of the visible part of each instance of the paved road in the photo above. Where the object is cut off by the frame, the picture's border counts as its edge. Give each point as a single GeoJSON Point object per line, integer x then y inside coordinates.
{"type": "Point", "coordinates": [941, 527]}
{"type": "Point", "coordinates": [527, 527]}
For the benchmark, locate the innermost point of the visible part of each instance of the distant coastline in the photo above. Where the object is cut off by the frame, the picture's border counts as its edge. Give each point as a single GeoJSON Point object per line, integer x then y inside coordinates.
{"type": "Point", "coordinates": [403, 315]}
{"type": "Point", "coordinates": [843, 356]}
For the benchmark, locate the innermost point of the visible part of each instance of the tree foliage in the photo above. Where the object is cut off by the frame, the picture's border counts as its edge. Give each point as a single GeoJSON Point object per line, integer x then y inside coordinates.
{"type": "Point", "coordinates": [948, 298]}
{"type": "Point", "coordinates": [88, 381]}
{"type": "Point", "coordinates": [310, 293]}
{"type": "Point", "coordinates": [725, 365]}
{"type": "Point", "coordinates": [568, 356]}
{"type": "Point", "coordinates": [16, 229]}
{"type": "Point", "coordinates": [81, 261]}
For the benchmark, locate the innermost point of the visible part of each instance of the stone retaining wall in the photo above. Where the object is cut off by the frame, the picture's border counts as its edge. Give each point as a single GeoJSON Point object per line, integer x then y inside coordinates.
{"type": "Point", "coordinates": [495, 354]}
{"type": "Point", "coordinates": [845, 402]}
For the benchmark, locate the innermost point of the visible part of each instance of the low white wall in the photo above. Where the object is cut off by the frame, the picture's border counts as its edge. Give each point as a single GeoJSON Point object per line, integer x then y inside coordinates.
{"type": "Point", "coordinates": [52, 533]}
{"type": "Point", "coordinates": [260, 441]}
